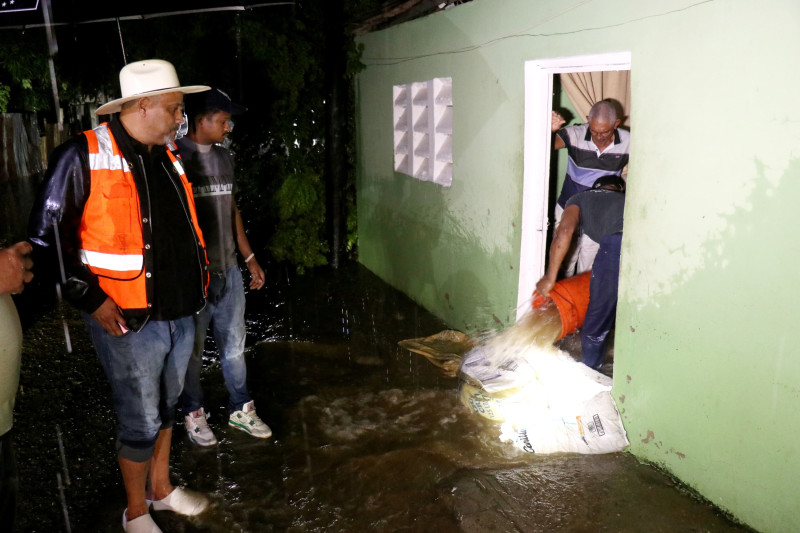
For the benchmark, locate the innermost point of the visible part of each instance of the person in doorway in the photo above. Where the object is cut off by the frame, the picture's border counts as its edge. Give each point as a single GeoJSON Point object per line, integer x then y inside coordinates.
{"type": "Point", "coordinates": [598, 212]}
{"type": "Point", "coordinates": [15, 272]}
{"type": "Point", "coordinates": [116, 202]}
{"type": "Point", "coordinates": [597, 148]}
{"type": "Point", "coordinates": [210, 169]}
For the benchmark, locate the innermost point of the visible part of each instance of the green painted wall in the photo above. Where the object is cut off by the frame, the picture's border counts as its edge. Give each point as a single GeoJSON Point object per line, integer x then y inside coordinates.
{"type": "Point", "coordinates": [707, 376]}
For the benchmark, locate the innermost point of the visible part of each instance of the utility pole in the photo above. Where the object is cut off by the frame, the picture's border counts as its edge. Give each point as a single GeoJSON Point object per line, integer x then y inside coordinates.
{"type": "Point", "coordinates": [336, 134]}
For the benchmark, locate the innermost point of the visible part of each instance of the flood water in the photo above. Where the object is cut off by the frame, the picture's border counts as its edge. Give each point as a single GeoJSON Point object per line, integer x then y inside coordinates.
{"type": "Point", "coordinates": [367, 436]}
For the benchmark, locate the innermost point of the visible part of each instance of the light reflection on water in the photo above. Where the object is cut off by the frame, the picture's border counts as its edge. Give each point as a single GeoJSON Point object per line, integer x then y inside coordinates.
{"type": "Point", "coordinates": [367, 436]}
{"type": "Point", "coordinates": [370, 437]}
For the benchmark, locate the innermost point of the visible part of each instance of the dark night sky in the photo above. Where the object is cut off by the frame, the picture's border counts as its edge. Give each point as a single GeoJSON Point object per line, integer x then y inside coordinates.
{"type": "Point", "coordinates": [73, 11]}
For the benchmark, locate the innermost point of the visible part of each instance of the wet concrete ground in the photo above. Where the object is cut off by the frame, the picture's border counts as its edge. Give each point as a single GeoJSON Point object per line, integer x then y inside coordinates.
{"type": "Point", "coordinates": [367, 436]}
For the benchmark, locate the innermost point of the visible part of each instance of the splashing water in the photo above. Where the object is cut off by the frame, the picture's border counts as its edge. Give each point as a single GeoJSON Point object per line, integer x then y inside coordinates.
{"type": "Point", "coordinates": [535, 332]}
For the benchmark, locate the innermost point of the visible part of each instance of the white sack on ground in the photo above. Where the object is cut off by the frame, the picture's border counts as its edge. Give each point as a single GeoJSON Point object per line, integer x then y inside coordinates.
{"type": "Point", "coordinates": [593, 427]}
{"type": "Point", "coordinates": [546, 400]}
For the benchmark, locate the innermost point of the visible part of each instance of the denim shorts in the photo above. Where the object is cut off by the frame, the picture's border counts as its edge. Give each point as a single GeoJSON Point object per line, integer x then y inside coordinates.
{"type": "Point", "coordinates": [146, 371]}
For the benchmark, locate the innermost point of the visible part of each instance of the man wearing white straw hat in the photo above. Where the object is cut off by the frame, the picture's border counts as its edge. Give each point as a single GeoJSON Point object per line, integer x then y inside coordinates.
{"type": "Point", "coordinates": [117, 205]}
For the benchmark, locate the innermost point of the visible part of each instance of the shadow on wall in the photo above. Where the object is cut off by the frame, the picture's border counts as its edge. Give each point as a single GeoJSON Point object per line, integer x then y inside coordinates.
{"type": "Point", "coordinates": [475, 298]}
{"type": "Point", "coordinates": [720, 327]}
{"type": "Point", "coordinates": [405, 227]}
{"type": "Point", "coordinates": [735, 308]}
{"type": "Point", "coordinates": [419, 248]}
{"type": "Point", "coordinates": [416, 229]}
{"type": "Point", "coordinates": [740, 260]}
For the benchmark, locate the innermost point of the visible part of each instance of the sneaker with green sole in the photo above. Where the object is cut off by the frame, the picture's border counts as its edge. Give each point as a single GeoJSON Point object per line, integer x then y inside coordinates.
{"type": "Point", "coordinates": [248, 421]}
{"type": "Point", "coordinates": [197, 428]}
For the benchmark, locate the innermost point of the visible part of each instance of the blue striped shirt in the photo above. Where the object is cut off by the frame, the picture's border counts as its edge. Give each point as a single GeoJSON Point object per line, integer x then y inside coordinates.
{"type": "Point", "coordinates": [585, 163]}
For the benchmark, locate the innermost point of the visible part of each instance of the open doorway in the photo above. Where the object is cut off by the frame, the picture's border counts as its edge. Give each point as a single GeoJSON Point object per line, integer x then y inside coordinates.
{"type": "Point", "coordinates": [570, 86]}
{"type": "Point", "coordinates": [536, 195]}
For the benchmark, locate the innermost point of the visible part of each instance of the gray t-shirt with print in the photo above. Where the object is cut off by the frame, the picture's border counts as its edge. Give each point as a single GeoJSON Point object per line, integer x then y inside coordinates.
{"type": "Point", "coordinates": [210, 171]}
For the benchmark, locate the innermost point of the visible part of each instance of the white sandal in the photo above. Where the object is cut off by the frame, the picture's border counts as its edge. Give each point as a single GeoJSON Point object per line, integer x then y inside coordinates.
{"type": "Point", "coordinates": [182, 501]}
{"type": "Point", "coordinates": [140, 524]}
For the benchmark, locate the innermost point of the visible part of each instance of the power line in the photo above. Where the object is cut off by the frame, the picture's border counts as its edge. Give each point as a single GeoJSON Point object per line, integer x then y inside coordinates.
{"type": "Point", "coordinates": [148, 16]}
{"type": "Point", "coordinates": [388, 61]}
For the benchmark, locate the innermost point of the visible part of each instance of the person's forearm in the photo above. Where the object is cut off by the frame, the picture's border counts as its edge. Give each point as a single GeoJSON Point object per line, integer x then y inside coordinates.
{"type": "Point", "coordinates": [258, 277]}
{"type": "Point", "coordinates": [562, 241]}
{"type": "Point", "coordinates": [558, 251]}
{"type": "Point", "coordinates": [242, 243]}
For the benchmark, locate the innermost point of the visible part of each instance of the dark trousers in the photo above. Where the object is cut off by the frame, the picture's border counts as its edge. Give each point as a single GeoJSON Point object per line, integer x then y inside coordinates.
{"type": "Point", "coordinates": [9, 482]}
{"type": "Point", "coordinates": [602, 311]}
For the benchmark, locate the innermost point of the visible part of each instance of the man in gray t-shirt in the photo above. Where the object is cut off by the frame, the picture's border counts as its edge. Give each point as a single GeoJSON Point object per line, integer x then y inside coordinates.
{"type": "Point", "coordinates": [598, 212]}
{"type": "Point", "coordinates": [209, 168]}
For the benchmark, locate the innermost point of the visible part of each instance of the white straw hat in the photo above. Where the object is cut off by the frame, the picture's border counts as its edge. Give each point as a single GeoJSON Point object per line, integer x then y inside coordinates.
{"type": "Point", "coordinates": [147, 78]}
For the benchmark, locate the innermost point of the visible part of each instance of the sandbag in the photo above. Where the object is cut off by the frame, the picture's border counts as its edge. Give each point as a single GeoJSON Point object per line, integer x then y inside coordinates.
{"type": "Point", "coordinates": [591, 427]}
{"type": "Point", "coordinates": [444, 349]}
{"type": "Point", "coordinates": [544, 400]}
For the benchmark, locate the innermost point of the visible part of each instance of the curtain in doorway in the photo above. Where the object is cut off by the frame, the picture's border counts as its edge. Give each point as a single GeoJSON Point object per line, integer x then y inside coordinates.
{"type": "Point", "coordinates": [584, 89]}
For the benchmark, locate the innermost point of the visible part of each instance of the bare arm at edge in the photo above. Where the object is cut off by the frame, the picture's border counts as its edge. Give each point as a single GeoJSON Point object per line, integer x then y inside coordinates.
{"type": "Point", "coordinates": [570, 221]}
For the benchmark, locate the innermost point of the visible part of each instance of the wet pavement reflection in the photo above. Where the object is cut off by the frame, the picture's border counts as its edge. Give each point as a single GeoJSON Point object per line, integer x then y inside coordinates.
{"type": "Point", "coordinates": [367, 436]}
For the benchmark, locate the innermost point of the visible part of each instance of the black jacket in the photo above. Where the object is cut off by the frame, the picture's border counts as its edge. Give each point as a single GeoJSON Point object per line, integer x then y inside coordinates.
{"type": "Point", "coordinates": [57, 212]}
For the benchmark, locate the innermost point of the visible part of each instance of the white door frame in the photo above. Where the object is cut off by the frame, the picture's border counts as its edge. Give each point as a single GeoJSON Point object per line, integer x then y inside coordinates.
{"type": "Point", "coordinates": [536, 154]}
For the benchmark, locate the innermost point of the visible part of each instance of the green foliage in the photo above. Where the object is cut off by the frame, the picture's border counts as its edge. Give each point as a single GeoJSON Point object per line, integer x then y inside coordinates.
{"type": "Point", "coordinates": [24, 71]}
{"type": "Point", "coordinates": [298, 196]}
{"type": "Point", "coordinates": [277, 61]}
{"type": "Point", "coordinates": [282, 138]}
{"type": "Point", "coordinates": [5, 91]}
{"type": "Point", "coordinates": [298, 201]}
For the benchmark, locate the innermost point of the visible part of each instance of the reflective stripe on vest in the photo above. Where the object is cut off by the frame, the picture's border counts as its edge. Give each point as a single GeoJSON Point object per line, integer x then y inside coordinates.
{"type": "Point", "coordinates": [111, 226]}
{"type": "Point", "coordinates": [112, 262]}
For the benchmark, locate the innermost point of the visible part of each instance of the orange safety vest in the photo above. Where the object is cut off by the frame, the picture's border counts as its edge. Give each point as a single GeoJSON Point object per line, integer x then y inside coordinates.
{"type": "Point", "coordinates": [112, 243]}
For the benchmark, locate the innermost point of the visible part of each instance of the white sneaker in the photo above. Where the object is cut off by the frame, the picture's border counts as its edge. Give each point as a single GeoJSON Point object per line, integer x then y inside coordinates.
{"type": "Point", "coordinates": [247, 420]}
{"type": "Point", "coordinates": [197, 428]}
